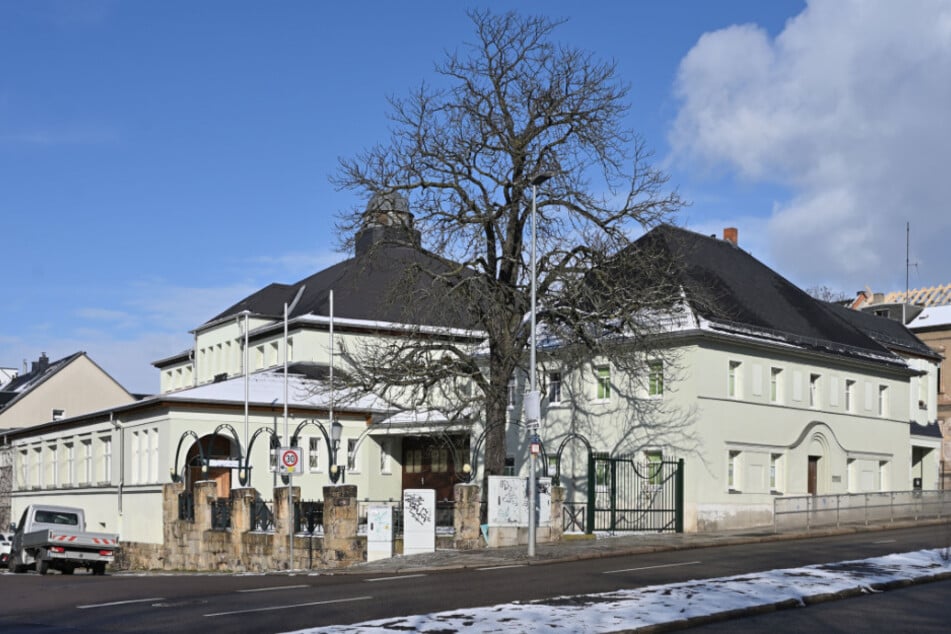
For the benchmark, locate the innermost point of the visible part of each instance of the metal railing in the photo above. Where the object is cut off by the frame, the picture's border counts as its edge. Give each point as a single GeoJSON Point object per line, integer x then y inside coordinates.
{"type": "Point", "coordinates": [186, 506]}
{"type": "Point", "coordinates": [309, 517]}
{"type": "Point", "coordinates": [221, 514]}
{"type": "Point", "coordinates": [813, 511]}
{"type": "Point", "coordinates": [573, 517]}
{"type": "Point", "coordinates": [262, 516]}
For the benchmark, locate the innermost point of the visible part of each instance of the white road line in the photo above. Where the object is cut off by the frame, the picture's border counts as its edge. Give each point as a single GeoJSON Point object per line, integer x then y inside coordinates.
{"type": "Point", "coordinates": [501, 567]}
{"type": "Point", "coordinates": [293, 605]}
{"type": "Point", "coordinates": [394, 578]}
{"type": "Point", "coordinates": [885, 541]}
{"type": "Point", "coordinates": [270, 588]}
{"type": "Point", "coordinates": [686, 563]}
{"type": "Point", "coordinates": [112, 603]}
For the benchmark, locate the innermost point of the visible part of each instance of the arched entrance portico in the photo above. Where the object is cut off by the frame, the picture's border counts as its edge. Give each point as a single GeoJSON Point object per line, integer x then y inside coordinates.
{"type": "Point", "coordinates": [222, 456]}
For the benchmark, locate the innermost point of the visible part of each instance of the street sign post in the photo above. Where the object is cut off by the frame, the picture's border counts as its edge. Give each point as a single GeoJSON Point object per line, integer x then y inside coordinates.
{"type": "Point", "coordinates": [289, 460]}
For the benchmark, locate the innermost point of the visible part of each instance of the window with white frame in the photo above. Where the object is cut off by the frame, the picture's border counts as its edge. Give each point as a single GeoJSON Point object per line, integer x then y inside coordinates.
{"type": "Point", "coordinates": [604, 383]}
{"type": "Point", "coordinates": [733, 470]}
{"type": "Point", "coordinates": [37, 477]}
{"type": "Point", "coordinates": [272, 455]}
{"type": "Point", "coordinates": [734, 380]}
{"type": "Point", "coordinates": [86, 466]}
{"type": "Point", "coordinates": [69, 471]}
{"type": "Point", "coordinates": [106, 471]}
{"type": "Point", "coordinates": [655, 378]}
{"type": "Point", "coordinates": [849, 395]}
{"type": "Point", "coordinates": [882, 475]}
{"type": "Point", "coordinates": [509, 468]}
{"type": "Point", "coordinates": [554, 387]}
{"type": "Point", "coordinates": [814, 390]}
{"type": "Point", "coordinates": [272, 356]}
{"type": "Point", "coordinates": [386, 456]}
{"type": "Point", "coordinates": [775, 385]}
{"type": "Point", "coordinates": [775, 471]}
{"type": "Point", "coordinates": [136, 457]}
{"type": "Point", "coordinates": [883, 400]}
{"type": "Point", "coordinates": [24, 468]}
{"type": "Point", "coordinates": [154, 460]}
{"type": "Point", "coordinates": [923, 392]}
{"type": "Point", "coordinates": [353, 465]}
{"type": "Point", "coordinates": [655, 466]}
{"type": "Point", "coordinates": [52, 466]}
{"type": "Point", "coordinates": [313, 453]}
{"type": "Point", "coordinates": [851, 476]}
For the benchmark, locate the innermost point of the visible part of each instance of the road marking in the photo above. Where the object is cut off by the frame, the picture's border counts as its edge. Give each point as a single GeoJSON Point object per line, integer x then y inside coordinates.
{"type": "Point", "coordinates": [395, 578]}
{"type": "Point", "coordinates": [686, 563]}
{"type": "Point", "coordinates": [293, 605]}
{"type": "Point", "coordinates": [501, 567]}
{"type": "Point", "coordinates": [112, 603]}
{"type": "Point", "coordinates": [270, 588]}
{"type": "Point", "coordinates": [885, 541]}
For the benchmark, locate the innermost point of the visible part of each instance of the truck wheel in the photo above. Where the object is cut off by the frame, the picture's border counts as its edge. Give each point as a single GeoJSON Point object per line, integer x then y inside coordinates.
{"type": "Point", "coordinates": [67, 569]}
{"type": "Point", "coordinates": [99, 568]}
{"type": "Point", "coordinates": [42, 566]}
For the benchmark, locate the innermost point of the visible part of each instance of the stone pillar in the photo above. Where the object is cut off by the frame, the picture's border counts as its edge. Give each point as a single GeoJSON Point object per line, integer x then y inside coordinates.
{"type": "Point", "coordinates": [284, 500]}
{"type": "Point", "coordinates": [341, 546]}
{"type": "Point", "coordinates": [558, 494]}
{"type": "Point", "coordinates": [206, 491]}
{"type": "Point", "coordinates": [241, 502]}
{"type": "Point", "coordinates": [466, 514]}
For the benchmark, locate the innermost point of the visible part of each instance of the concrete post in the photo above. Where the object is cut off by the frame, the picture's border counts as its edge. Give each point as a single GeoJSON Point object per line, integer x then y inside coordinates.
{"type": "Point", "coordinates": [284, 499]}
{"type": "Point", "coordinates": [466, 516]}
{"type": "Point", "coordinates": [206, 491]}
{"type": "Point", "coordinates": [557, 510]}
{"type": "Point", "coordinates": [341, 516]}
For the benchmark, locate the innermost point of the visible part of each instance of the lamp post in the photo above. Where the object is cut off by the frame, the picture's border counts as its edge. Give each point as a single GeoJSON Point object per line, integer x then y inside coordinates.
{"type": "Point", "coordinates": [336, 431]}
{"type": "Point", "coordinates": [533, 398]}
{"type": "Point", "coordinates": [288, 308]}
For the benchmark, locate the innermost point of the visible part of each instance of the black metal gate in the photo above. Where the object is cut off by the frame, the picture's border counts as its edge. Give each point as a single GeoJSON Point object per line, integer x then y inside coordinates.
{"type": "Point", "coordinates": [629, 494]}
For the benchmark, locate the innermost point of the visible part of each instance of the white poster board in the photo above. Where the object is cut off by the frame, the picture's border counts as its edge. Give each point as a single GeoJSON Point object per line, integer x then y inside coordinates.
{"type": "Point", "coordinates": [379, 532]}
{"type": "Point", "coordinates": [419, 521]}
{"type": "Point", "coordinates": [508, 501]}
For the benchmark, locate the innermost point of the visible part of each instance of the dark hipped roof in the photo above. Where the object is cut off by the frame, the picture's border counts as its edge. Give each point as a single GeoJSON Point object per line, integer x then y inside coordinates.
{"type": "Point", "coordinates": [388, 283]}
{"type": "Point", "coordinates": [888, 332]}
{"type": "Point", "coordinates": [734, 290]}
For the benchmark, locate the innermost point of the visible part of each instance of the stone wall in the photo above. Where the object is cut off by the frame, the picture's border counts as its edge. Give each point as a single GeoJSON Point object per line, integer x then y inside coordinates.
{"type": "Point", "coordinates": [194, 545]}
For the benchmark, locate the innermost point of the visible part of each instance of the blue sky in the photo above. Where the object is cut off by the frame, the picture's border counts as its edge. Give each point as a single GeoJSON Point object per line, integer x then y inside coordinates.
{"type": "Point", "coordinates": [161, 160]}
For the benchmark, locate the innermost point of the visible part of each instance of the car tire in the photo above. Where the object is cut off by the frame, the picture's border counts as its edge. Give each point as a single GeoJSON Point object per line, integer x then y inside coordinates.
{"type": "Point", "coordinates": [16, 566]}
{"type": "Point", "coordinates": [42, 566]}
{"type": "Point", "coordinates": [99, 569]}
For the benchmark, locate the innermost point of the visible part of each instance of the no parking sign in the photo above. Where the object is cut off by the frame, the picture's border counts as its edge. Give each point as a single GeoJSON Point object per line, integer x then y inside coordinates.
{"type": "Point", "coordinates": [289, 460]}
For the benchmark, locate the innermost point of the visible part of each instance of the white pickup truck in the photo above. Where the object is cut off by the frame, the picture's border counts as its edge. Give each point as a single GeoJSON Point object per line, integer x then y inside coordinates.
{"type": "Point", "coordinates": [54, 537]}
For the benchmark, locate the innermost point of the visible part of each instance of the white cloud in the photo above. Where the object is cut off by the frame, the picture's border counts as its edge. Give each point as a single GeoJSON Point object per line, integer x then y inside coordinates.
{"type": "Point", "coordinates": [847, 108]}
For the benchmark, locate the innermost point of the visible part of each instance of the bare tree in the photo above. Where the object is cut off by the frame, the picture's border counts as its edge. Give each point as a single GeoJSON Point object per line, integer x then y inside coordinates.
{"type": "Point", "coordinates": [827, 294]}
{"type": "Point", "coordinates": [510, 106]}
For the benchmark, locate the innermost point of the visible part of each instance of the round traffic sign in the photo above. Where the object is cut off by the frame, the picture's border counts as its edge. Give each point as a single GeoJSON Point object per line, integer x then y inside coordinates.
{"type": "Point", "coordinates": [289, 458]}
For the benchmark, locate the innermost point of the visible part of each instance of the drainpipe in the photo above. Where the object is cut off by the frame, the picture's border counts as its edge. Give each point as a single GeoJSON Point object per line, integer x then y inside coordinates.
{"type": "Point", "coordinates": [117, 426]}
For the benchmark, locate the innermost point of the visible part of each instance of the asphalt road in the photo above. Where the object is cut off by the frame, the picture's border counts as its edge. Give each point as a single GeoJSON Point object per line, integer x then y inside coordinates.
{"type": "Point", "coordinates": [186, 603]}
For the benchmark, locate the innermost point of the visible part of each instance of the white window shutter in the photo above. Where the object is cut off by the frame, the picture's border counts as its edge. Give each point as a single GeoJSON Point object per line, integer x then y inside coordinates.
{"type": "Point", "coordinates": [868, 395]}
{"type": "Point", "coordinates": [797, 385]}
{"type": "Point", "coordinates": [757, 379]}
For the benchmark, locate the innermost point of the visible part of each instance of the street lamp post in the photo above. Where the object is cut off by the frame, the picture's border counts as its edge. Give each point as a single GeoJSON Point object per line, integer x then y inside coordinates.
{"type": "Point", "coordinates": [533, 398]}
{"type": "Point", "coordinates": [288, 308]}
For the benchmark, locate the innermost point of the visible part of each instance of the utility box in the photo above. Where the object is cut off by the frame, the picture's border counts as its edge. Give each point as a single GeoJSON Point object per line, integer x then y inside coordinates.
{"type": "Point", "coordinates": [379, 532]}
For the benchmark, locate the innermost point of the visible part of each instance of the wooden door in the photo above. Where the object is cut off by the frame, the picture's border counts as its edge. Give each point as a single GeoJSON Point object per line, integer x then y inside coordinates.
{"type": "Point", "coordinates": [813, 482]}
{"type": "Point", "coordinates": [428, 464]}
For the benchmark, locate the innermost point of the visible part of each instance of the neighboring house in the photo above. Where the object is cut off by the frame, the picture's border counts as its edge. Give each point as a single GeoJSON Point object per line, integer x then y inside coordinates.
{"type": "Point", "coordinates": [928, 314]}
{"type": "Point", "coordinates": [7, 375]}
{"type": "Point", "coordinates": [50, 391]}
{"type": "Point", "coordinates": [761, 389]}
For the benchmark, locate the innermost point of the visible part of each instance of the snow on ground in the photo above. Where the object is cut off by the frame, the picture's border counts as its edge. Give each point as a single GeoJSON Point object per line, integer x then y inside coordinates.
{"type": "Point", "coordinates": [630, 609]}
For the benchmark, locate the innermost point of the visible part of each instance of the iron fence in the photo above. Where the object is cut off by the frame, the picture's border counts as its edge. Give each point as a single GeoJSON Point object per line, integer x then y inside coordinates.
{"type": "Point", "coordinates": [262, 516]}
{"type": "Point", "coordinates": [573, 517]}
{"type": "Point", "coordinates": [221, 514]}
{"type": "Point", "coordinates": [186, 506]}
{"type": "Point", "coordinates": [806, 512]}
{"type": "Point", "coordinates": [309, 517]}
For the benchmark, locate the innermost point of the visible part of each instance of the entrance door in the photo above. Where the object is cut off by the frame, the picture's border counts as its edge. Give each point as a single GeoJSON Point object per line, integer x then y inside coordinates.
{"type": "Point", "coordinates": [428, 464]}
{"type": "Point", "coordinates": [813, 482]}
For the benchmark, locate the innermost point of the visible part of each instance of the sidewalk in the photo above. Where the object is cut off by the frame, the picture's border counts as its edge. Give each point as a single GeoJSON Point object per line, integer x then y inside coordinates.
{"type": "Point", "coordinates": [576, 547]}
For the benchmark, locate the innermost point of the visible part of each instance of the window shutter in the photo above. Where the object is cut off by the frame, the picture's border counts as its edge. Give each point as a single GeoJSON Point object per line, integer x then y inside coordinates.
{"type": "Point", "coordinates": [757, 379]}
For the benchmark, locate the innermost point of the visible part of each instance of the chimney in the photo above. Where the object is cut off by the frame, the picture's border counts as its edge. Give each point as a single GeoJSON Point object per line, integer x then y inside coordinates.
{"type": "Point", "coordinates": [40, 366]}
{"type": "Point", "coordinates": [731, 234]}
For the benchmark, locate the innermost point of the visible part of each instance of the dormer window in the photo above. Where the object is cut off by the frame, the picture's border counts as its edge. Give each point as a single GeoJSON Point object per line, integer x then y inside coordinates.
{"type": "Point", "coordinates": [58, 414]}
